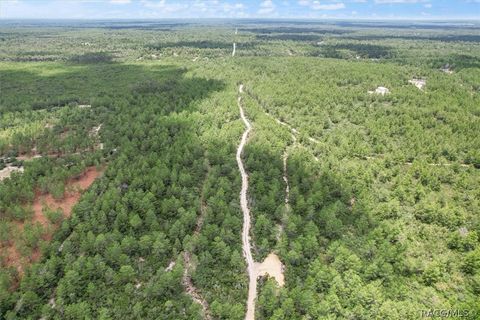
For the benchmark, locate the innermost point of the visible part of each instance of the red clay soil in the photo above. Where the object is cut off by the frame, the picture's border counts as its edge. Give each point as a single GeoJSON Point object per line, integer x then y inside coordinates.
{"type": "Point", "coordinates": [75, 188]}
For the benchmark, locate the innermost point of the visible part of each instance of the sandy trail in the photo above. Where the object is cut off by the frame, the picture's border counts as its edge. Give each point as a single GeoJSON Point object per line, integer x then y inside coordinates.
{"type": "Point", "coordinates": [287, 190]}
{"type": "Point", "coordinates": [292, 129]}
{"type": "Point", "coordinates": [285, 171]}
{"type": "Point", "coordinates": [311, 139]}
{"type": "Point", "coordinates": [234, 49]}
{"type": "Point", "coordinates": [272, 265]}
{"type": "Point", "coordinates": [285, 176]}
{"type": "Point", "coordinates": [247, 250]}
{"type": "Point", "coordinates": [190, 288]}
{"type": "Point", "coordinates": [192, 291]}
{"type": "Point", "coordinates": [294, 133]}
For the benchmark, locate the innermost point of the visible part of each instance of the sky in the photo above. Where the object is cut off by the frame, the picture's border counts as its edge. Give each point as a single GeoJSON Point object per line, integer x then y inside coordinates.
{"type": "Point", "coordinates": [273, 9]}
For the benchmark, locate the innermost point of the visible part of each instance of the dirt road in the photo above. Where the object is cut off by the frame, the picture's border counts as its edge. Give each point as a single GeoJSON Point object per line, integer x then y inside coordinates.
{"type": "Point", "coordinates": [247, 252]}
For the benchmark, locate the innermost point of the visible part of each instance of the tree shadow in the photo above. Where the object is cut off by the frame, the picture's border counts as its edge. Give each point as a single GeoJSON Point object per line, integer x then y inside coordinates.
{"type": "Point", "coordinates": [91, 58]}
{"type": "Point", "coordinates": [456, 62]}
{"type": "Point", "coordinates": [349, 50]}
{"type": "Point", "coordinates": [148, 194]}
{"type": "Point", "coordinates": [202, 44]}
{"type": "Point", "coordinates": [290, 36]}
{"type": "Point", "coordinates": [401, 25]}
{"type": "Point", "coordinates": [294, 30]}
{"type": "Point", "coordinates": [442, 38]}
{"type": "Point", "coordinates": [95, 84]}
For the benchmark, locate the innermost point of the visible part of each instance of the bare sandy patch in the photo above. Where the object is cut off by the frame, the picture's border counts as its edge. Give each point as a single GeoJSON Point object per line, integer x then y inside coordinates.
{"type": "Point", "coordinates": [419, 83]}
{"type": "Point", "coordinates": [380, 90]}
{"type": "Point", "coordinates": [95, 130]}
{"type": "Point", "coordinates": [7, 171]}
{"type": "Point", "coordinates": [272, 267]}
{"type": "Point", "coordinates": [170, 266]}
{"type": "Point", "coordinates": [26, 157]}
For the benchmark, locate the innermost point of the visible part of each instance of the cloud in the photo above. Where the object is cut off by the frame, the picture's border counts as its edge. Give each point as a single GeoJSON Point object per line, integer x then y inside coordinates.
{"type": "Point", "coordinates": [227, 7]}
{"type": "Point", "coordinates": [119, 1]}
{"type": "Point", "coordinates": [191, 9]}
{"type": "Point", "coordinates": [164, 6]}
{"type": "Point", "coordinates": [158, 9]}
{"type": "Point", "coordinates": [317, 5]}
{"type": "Point", "coordinates": [9, 2]}
{"type": "Point", "coordinates": [23, 9]}
{"type": "Point", "coordinates": [399, 1]}
{"type": "Point", "coordinates": [266, 7]}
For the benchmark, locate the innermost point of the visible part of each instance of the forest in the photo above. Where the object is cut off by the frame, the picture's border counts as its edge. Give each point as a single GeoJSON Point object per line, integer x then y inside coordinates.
{"type": "Point", "coordinates": [119, 183]}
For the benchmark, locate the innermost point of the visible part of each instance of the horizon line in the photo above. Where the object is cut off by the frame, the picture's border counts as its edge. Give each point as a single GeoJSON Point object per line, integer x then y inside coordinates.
{"type": "Point", "coordinates": [439, 19]}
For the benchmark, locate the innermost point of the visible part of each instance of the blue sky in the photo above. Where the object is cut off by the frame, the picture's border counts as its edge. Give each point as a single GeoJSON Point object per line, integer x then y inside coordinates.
{"type": "Point", "coordinates": [306, 9]}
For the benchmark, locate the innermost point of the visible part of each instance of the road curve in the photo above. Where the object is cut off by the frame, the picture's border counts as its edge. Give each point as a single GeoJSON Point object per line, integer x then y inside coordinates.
{"type": "Point", "coordinates": [247, 252]}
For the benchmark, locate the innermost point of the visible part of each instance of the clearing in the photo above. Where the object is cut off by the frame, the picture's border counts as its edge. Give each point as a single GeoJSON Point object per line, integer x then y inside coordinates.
{"type": "Point", "coordinates": [271, 266]}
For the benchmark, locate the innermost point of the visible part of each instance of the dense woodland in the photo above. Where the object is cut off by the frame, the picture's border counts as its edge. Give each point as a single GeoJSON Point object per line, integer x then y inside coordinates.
{"type": "Point", "coordinates": [382, 220]}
